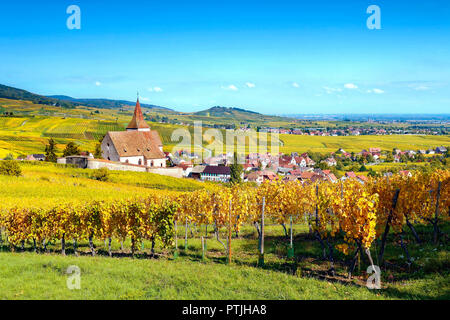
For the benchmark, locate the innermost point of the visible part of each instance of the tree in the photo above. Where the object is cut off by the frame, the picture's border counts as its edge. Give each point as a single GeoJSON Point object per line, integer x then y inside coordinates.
{"type": "Point", "coordinates": [9, 156]}
{"type": "Point", "coordinates": [10, 168]}
{"type": "Point", "coordinates": [363, 169]}
{"type": "Point", "coordinates": [98, 151]}
{"type": "Point", "coordinates": [101, 174]}
{"type": "Point", "coordinates": [71, 149]}
{"type": "Point", "coordinates": [389, 157]}
{"type": "Point", "coordinates": [236, 171]}
{"type": "Point", "coordinates": [50, 149]}
{"type": "Point", "coordinates": [403, 158]}
{"type": "Point", "coordinates": [372, 173]}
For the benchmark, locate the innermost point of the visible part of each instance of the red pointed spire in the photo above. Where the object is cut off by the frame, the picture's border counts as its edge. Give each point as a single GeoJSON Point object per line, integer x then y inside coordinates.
{"type": "Point", "coordinates": [138, 121]}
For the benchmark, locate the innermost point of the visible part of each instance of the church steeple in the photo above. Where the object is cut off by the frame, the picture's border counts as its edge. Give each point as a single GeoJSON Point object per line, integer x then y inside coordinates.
{"type": "Point", "coordinates": [138, 122]}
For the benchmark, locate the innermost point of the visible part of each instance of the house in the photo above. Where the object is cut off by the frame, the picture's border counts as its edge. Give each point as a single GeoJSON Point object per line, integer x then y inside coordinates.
{"type": "Point", "coordinates": [331, 177]}
{"type": "Point", "coordinates": [36, 157]}
{"type": "Point", "coordinates": [254, 177]}
{"type": "Point", "coordinates": [197, 171]}
{"type": "Point", "coordinates": [216, 173]}
{"type": "Point", "coordinates": [374, 150]}
{"type": "Point", "coordinates": [361, 178]}
{"type": "Point", "coordinates": [430, 151]}
{"type": "Point", "coordinates": [187, 168]}
{"type": "Point", "coordinates": [441, 150]}
{"type": "Point", "coordinates": [349, 175]}
{"type": "Point", "coordinates": [330, 162]}
{"type": "Point", "coordinates": [137, 145]}
{"type": "Point", "coordinates": [405, 173]}
{"type": "Point", "coordinates": [300, 161]}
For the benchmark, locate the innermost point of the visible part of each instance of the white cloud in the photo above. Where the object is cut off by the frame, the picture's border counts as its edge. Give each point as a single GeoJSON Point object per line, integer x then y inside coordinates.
{"type": "Point", "coordinates": [378, 91]}
{"type": "Point", "coordinates": [421, 88]}
{"type": "Point", "coordinates": [350, 86]}
{"type": "Point", "coordinates": [332, 90]}
{"type": "Point", "coordinates": [98, 83]}
{"type": "Point", "coordinates": [155, 89]}
{"type": "Point", "coordinates": [144, 99]}
{"type": "Point", "coordinates": [250, 85]}
{"type": "Point", "coordinates": [231, 87]}
{"type": "Point", "coordinates": [295, 85]}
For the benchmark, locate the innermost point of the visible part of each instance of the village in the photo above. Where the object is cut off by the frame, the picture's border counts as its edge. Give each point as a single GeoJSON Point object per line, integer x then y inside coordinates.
{"type": "Point", "coordinates": [140, 149]}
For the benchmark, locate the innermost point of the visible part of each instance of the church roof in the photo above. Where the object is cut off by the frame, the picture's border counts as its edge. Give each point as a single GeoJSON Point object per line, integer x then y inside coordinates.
{"type": "Point", "coordinates": [138, 121]}
{"type": "Point", "coordinates": [137, 143]}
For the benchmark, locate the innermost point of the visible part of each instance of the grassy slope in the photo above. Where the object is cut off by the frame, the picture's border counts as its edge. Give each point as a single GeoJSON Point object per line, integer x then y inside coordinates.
{"type": "Point", "coordinates": [43, 183]}
{"type": "Point", "coordinates": [27, 276]}
{"type": "Point", "coordinates": [42, 276]}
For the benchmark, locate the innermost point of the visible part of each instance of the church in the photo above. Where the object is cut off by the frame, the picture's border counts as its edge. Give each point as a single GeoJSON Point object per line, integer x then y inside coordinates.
{"type": "Point", "coordinates": [137, 145]}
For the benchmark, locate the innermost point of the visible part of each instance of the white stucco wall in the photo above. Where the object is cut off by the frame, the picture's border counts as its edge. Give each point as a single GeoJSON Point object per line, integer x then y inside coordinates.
{"type": "Point", "coordinates": [133, 160]}
{"type": "Point", "coordinates": [157, 163]}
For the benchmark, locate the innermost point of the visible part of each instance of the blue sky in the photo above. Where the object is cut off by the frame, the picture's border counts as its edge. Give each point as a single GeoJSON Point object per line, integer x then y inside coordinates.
{"type": "Point", "coordinates": [274, 57]}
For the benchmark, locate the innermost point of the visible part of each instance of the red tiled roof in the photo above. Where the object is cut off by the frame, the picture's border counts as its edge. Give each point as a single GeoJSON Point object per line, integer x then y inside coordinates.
{"type": "Point", "coordinates": [363, 178]}
{"type": "Point", "coordinates": [350, 174]}
{"type": "Point", "coordinates": [137, 143]}
{"type": "Point", "coordinates": [138, 121]}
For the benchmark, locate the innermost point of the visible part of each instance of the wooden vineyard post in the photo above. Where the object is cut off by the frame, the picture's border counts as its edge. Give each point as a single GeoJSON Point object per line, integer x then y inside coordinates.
{"type": "Point", "coordinates": [203, 248]}
{"type": "Point", "coordinates": [261, 238]}
{"type": "Point", "coordinates": [290, 254]}
{"type": "Point", "coordinates": [175, 254]}
{"type": "Point", "coordinates": [229, 233]}
{"type": "Point", "coordinates": [186, 235]}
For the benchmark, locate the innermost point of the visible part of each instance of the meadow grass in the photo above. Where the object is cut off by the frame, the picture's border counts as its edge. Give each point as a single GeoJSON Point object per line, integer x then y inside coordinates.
{"type": "Point", "coordinates": [27, 275]}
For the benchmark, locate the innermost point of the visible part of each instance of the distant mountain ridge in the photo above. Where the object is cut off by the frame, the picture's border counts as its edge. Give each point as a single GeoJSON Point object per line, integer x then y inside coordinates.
{"type": "Point", "coordinates": [68, 102]}
{"type": "Point", "coordinates": [106, 103]}
{"type": "Point", "coordinates": [224, 113]}
{"type": "Point", "coordinates": [218, 111]}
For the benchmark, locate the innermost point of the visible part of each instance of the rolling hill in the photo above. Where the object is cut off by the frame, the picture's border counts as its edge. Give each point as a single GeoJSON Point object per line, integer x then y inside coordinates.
{"type": "Point", "coordinates": [69, 102]}
{"type": "Point", "coordinates": [107, 103]}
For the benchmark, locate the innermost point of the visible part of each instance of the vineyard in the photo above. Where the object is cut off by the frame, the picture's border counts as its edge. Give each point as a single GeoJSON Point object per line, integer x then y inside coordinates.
{"type": "Point", "coordinates": [347, 219]}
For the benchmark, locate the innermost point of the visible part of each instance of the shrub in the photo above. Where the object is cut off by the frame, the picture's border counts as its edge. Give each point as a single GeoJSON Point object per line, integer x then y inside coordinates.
{"type": "Point", "coordinates": [9, 156]}
{"type": "Point", "coordinates": [101, 174]}
{"type": "Point", "coordinates": [10, 168]}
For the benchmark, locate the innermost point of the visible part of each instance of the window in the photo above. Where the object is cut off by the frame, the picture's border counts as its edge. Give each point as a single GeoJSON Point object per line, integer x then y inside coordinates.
{"type": "Point", "coordinates": [140, 162]}
{"type": "Point", "coordinates": [126, 161]}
